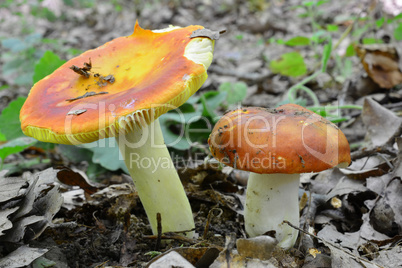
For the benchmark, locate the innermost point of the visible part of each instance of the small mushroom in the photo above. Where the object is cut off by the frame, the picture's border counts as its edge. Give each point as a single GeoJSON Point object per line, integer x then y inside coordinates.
{"type": "Point", "coordinates": [276, 145]}
{"type": "Point", "coordinates": [149, 73]}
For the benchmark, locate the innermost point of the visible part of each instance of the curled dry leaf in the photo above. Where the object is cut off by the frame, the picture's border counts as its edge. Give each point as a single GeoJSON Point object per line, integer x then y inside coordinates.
{"type": "Point", "coordinates": [382, 124]}
{"type": "Point", "coordinates": [11, 188]}
{"type": "Point", "coordinates": [386, 215]}
{"type": "Point", "coordinates": [27, 207]}
{"type": "Point", "coordinates": [381, 62]}
{"type": "Point", "coordinates": [22, 257]}
{"type": "Point", "coordinates": [33, 210]}
{"type": "Point", "coordinates": [72, 178]}
{"type": "Point", "coordinates": [5, 223]}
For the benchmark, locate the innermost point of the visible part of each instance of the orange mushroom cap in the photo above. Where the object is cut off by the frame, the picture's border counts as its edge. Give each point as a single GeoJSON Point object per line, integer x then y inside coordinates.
{"type": "Point", "coordinates": [288, 139]}
{"type": "Point", "coordinates": [151, 72]}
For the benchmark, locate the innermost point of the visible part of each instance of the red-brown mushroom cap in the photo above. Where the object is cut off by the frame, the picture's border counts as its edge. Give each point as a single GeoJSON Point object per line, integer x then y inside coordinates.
{"type": "Point", "coordinates": [288, 139]}
{"type": "Point", "coordinates": [143, 76]}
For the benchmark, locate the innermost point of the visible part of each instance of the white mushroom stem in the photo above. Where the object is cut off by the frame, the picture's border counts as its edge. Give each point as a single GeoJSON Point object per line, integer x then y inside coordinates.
{"type": "Point", "coordinates": [271, 199]}
{"type": "Point", "coordinates": [156, 179]}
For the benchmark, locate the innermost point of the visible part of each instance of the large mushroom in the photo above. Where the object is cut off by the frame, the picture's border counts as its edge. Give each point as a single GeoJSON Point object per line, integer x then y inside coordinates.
{"type": "Point", "coordinates": [119, 90]}
{"type": "Point", "coordinates": [276, 145]}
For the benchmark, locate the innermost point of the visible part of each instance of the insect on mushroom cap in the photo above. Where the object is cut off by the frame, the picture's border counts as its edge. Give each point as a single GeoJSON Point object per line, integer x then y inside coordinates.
{"type": "Point", "coordinates": [289, 139]}
{"type": "Point", "coordinates": [140, 77]}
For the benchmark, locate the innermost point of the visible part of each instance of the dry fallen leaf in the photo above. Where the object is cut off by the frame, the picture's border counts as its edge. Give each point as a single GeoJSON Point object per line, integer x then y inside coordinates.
{"type": "Point", "coordinates": [172, 259]}
{"type": "Point", "coordinates": [382, 124]}
{"type": "Point", "coordinates": [391, 257]}
{"type": "Point", "coordinates": [11, 188]}
{"type": "Point", "coordinates": [234, 260]}
{"type": "Point", "coordinates": [5, 223]}
{"type": "Point", "coordinates": [21, 257]}
{"type": "Point", "coordinates": [386, 215]}
{"type": "Point", "coordinates": [342, 259]}
{"type": "Point", "coordinates": [24, 216]}
{"type": "Point", "coordinates": [260, 247]}
{"type": "Point", "coordinates": [72, 178]}
{"type": "Point", "coordinates": [381, 62]}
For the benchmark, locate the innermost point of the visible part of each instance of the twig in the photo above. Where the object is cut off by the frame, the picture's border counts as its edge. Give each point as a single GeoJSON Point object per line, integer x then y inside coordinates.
{"type": "Point", "coordinates": [159, 228]}
{"type": "Point", "coordinates": [102, 264]}
{"type": "Point", "coordinates": [393, 105]}
{"type": "Point", "coordinates": [172, 236]}
{"type": "Point", "coordinates": [364, 153]}
{"type": "Point", "coordinates": [330, 243]}
{"type": "Point", "coordinates": [210, 213]}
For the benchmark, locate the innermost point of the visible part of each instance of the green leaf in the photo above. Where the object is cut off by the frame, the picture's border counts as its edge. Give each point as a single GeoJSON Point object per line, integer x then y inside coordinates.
{"type": "Point", "coordinates": [319, 3]}
{"type": "Point", "coordinates": [326, 54]}
{"type": "Point", "coordinates": [176, 122]}
{"type": "Point", "coordinates": [367, 41]}
{"type": "Point", "coordinates": [14, 44]}
{"type": "Point", "coordinates": [332, 28]}
{"type": "Point", "coordinates": [74, 51]}
{"type": "Point", "coordinates": [398, 32]}
{"type": "Point", "coordinates": [380, 22]}
{"type": "Point", "coordinates": [350, 51]}
{"type": "Point", "coordinates": [107, 154]}
{"type": "Point", "coordinates": [75, 154]}
{"type": "Point", "coordinates": [10, 124]}
{"type": "Point", "coordinates": [46, 65]}
{"type": "Point", "coordinates": [4, 87]}
{"type": "Point", "coordinates": [173, 139]}
{"type": "Point", "coordinates": [278, 41]}
{"type": "Point", "coordinates": [298, 41]}
{"type": "Point", "coordinates": [235, 92]}
{"type": "Point", "coordinates": [94, 171]}
{"type": "Point", "coordinates": [24, 79]}
{"type": "Point", "coordinates": [42, 262]}
{"type": "Point", "coordinates": [2, 137]}
{"type": "Point", "coordinates": [15, 146]}
{"type": "Point", "coordinates": [210, 101]}
{"type": "Point", "coordinates": [308, 3]}
{"type": "Point", "coordinates": [20, 166]}
{"type": "Point", "coordinates": [397, 17]}
{"type": "Point", "coordinates": [319, 36]}
{"type": "Point", "coordinates": [290, 64]}
{"type": "Point", "coordinates": [12, 66]}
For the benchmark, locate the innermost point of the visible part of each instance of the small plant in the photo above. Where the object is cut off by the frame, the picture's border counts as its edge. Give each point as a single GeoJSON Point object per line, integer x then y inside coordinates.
{"type": "Point", "coordinates": [153, 254]}
{"type": "Point", "coordinates": [292, 64]}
